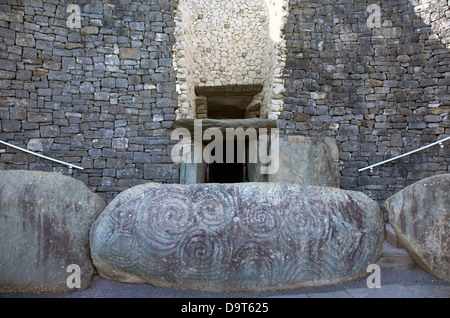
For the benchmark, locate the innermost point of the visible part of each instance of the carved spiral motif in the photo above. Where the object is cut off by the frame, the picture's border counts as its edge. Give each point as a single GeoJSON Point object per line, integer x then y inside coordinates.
{"type": "Point", "coordinates": [233, 237]}
{"type": "Point", "coordinates": [251, 264]}
{"type": "Point", "coordinates": [306, 219]}
{"type": "Point", "coordinates": [164, 216]}
{"type": "Point", "coordinates": [261, 220]}
{"type": "Point", "coordinates": [119, 252]}
{"type": "Point", "coordinates": [214, 207]}
{"type": "Point", "coordinates": [202, 255]}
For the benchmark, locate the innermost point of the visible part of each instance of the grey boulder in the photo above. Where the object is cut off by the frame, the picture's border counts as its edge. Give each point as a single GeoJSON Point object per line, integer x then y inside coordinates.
{"type": "Point", "coordinates": [45, 220]}
{"type": "Point", "coordinates": [420, 217]}
{"type": "Point", "coordinates": [237, 237]}
{"type": "Point", "coordinates": [308, 161]}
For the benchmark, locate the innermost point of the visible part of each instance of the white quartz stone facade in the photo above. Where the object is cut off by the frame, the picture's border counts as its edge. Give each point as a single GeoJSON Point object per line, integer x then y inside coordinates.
{"type": "Point", "coordinates": [235, 42]}
{"type": "Point", "coordinates": [436, 14]}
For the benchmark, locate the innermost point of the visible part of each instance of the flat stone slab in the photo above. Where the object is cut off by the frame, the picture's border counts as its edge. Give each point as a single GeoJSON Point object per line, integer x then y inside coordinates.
{"type": "Point", "coordinates": [237, 237]}
{"type": "Point", "coordinates": [45, 220]}
{"type": "Point", "coordinates": [308, 161]}
{"type": "Point", "coordinates": [228, 90]}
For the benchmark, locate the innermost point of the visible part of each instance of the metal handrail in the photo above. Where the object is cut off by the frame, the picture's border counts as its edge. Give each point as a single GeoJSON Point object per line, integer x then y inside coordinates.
{"type": "Point", "coordinates": [42, 156]}
{"type": "Point", "coordinates": [440, 142]}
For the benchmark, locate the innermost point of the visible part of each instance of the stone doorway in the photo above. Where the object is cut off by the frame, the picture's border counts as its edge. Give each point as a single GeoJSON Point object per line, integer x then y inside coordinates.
{"type": "Point", "coordinates": [228, 102]}
{"type": "Point", "coordinates": [237, 43]}
{"type": "Point", "coordinates": [243, 160]}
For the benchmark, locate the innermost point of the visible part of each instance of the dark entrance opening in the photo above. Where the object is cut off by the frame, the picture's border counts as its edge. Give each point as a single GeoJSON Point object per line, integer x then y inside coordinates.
{"type": "Point", "coordinates": [227, 172]}
{"type": "Point", "coordinates": [230, 102]}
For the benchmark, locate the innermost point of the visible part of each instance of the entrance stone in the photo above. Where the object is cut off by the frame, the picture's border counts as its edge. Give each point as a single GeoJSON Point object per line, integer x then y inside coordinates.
{"type": "Point", "coordinates": [237, 237]}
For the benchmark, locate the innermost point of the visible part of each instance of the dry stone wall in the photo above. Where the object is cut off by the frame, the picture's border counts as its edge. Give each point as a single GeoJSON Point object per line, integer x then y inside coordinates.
{"type": "Point", "coordinates": [380, 91]}
{"type": "Point", "coordinates": [101, 96]}
{"type": "Point", "coordinates": [105, 96]}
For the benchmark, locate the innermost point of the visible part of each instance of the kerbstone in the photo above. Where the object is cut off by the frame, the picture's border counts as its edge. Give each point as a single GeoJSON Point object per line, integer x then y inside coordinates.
{"type": "Point", "coordinates": [44, 227]}
{"type": "Point", "coordinates": [420, 216]}
{"type": "Point", "coordinates": [237, 237]}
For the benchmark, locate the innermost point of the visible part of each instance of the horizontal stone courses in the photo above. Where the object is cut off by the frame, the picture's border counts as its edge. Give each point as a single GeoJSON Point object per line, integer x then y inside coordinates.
{"type": "Point", "coordinates": [377, 91]}
{"type": "Point", "coordinates": [65, 67]}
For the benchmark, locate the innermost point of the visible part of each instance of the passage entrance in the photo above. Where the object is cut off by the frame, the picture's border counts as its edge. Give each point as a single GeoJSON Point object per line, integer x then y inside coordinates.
{"type": "Point", "coordinates": [227, 172]}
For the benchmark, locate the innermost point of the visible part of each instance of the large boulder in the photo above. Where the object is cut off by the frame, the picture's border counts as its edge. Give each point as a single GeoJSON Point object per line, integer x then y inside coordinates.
{"type": "Point", "coordinates": [308, 161]}
{"type": "Point", "coordinates": [420, 217]}
{"type": "Point", "coordinates": [45, 220]}
{"type": "Point", "coordinates": [237, 237]}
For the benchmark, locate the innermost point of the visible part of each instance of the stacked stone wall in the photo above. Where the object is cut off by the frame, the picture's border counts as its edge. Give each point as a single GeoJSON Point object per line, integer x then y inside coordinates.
{"type": "Point", "coordinates": [103, 95]}
{"type": "Point", "coordinates": [380, 89]}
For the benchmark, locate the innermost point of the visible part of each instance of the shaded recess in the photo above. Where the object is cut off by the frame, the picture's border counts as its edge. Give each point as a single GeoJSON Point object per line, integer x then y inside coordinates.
{"type": "Point", "coordinates": [228, 102]}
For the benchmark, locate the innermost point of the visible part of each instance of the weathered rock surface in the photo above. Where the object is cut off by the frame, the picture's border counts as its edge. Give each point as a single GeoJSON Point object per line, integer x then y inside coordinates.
{"type": "Point", "coordinates": [237, 237]}
{"type": "Point", "coordinates": [308, 161]}
{"type": "Point", "coordinates": [420, 216]}
{"type": "Point", "coordinates": [45, 220]}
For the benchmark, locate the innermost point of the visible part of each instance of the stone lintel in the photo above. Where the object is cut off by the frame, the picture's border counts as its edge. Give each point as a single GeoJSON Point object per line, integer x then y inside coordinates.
{"type": "Point", "coordinates": [229, 90]}
{"type": "Point", "coordinates": [222, 124]}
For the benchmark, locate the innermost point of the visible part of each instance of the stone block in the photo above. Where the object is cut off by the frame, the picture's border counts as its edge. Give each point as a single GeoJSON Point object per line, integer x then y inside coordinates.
{"type": "Point", "coordinates": [137, 26]}
{"type": "Point", "coordinates": [420, 217]}
{"type": "Point", "coordinates": [93, 7]}
{"type": "Point", "coordinates": [8, 65]}
{"type": "Point", "coordinates": [11, 125]}
{"type": "Point", "coordinates": [410, 49]}
{"type": "Point", "coordinates": [122, 82]}
{"type": "Point", "coordinates": [89, 30]}
{"type": "Point", "coordinates": [45, 231]}
{"type": "Point", "coordinates": [142, 157]}
{"type": "Point", "coordinates": [23, 75]}
{"type": "Point", "coordinates": [129, 53]}
{"type": "Point", "coordinates": [158, 171]}
{"type": "Point", "coordinates": [120, 143]}
{"type": "Point", "coordinates": [308, 161]}
{"type": "Point", "coordinates": [108, 82]}
{"type": "Point", "coordinates": [101, 96]}
{"type": "Point", "coordinates": [25, 39]}
{"type": "Point", "coordinates": [252, 237]}
{"type": "Point", "coordinates": [35, 117]}
{"type": "Point", "coordinates": [112, 59]}
{"type": "Point", "coordinates": [87, 88]}
{"type": "Point", "coordinates": [40, 144]}
{"type": "Point", "coordinates": [49, 131]}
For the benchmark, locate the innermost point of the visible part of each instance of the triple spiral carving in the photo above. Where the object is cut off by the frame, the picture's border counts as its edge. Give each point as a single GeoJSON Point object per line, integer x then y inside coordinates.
{"type": "Point", "coordinates": [209, 233]}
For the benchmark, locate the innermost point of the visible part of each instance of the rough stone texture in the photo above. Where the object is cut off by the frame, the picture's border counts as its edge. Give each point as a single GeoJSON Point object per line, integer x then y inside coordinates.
{"type": "Point", "coordinates": [237, 237]}
{"type": "Point", "coordinates": [237, 42]}
{"type": "Point", "coordinates": [308, 161]}
{"type": "Point", "coordinates": [378, 91]}
{"type": "Point", "coordinates": [224, 124]}
{"type": "Point", "coordinates": [45, 220]}
{"type": "Point", "coordinates": [420, 216]}
{"type": "Point", "coordinates": [107, 89]}
{"type": "Point", "coordinates": [371, 88]}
